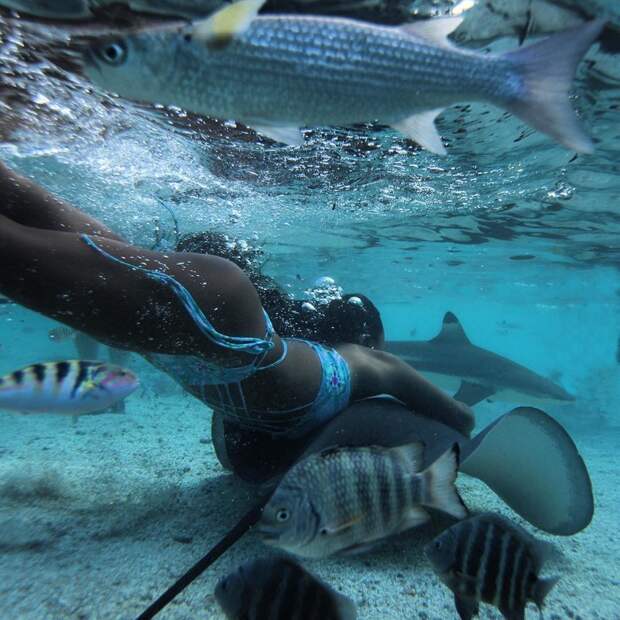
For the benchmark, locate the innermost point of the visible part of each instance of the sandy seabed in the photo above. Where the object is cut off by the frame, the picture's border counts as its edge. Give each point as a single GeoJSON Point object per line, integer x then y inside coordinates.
{"type": "Point", "coordinates": [98, 518]}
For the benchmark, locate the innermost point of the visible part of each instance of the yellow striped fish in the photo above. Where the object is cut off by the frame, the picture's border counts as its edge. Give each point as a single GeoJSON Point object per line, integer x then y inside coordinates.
{"type": "Point", "coordinates": [73, 387]}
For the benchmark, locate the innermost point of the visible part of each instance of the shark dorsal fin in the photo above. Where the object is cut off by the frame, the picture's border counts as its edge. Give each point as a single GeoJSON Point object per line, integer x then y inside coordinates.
{"type": "Point", "coordinates": [451, 330]}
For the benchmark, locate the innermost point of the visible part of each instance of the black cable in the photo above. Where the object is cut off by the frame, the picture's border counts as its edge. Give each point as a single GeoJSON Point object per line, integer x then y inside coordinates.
{"type": "Point", "coordinates": [244, 524]}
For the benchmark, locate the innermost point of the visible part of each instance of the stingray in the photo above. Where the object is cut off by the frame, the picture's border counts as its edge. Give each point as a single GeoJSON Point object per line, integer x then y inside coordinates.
{"type": "Point", "coordinates": [525, 457]}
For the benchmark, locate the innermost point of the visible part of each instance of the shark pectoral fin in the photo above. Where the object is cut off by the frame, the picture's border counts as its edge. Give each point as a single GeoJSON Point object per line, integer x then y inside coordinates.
{"type": "Point", "coordinates": [433, 30]}
{"type": "Point", "coordinates": [290, 136]}
{"type": "Point", "coordinates": [472, 393]}
{"type": "Point", "coordinates": [421, 128]}
{"type": "Point", "coordinates": [226, 23]}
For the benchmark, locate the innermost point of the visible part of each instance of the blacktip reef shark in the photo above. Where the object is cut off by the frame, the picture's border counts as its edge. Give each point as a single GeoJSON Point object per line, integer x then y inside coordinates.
{"type": "Point", "coordinates": [472, 373]}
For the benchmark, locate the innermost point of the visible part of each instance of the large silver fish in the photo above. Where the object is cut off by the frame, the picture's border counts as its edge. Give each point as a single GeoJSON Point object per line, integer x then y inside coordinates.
{"type": "Point", "coordinates": [73, 387]}
{"type": "Point", "coordinates": [345, 499]}
{"type": "Point", "coordinates": [278, 73]}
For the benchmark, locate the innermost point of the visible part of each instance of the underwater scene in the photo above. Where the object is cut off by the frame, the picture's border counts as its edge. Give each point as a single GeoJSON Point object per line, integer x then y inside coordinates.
{"type": "Point", "coordinates": [309, 309]}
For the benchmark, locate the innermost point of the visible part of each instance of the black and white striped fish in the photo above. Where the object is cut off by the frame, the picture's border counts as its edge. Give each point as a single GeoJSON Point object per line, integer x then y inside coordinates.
{"type": "Point", "coordinates": [487, 558]}
{"type": "Point", "coordinates": [280, 589]}
{"type": "Point", "coordinates": [60, 334]}
{"type": "Point", "coordinates": [346, 499]}
{"type": "Point", "coordinates": [73, 387]}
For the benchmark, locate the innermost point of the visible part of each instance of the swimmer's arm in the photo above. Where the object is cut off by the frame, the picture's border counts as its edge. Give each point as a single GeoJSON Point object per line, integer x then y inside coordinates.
{"type": "Point", "coordinates": [29, 204]}
{"type": "Point", "coordinates": [377, 372]}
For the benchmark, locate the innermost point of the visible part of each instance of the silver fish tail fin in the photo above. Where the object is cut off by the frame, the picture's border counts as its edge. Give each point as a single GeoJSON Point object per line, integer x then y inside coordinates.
{"type": "Point", "coordinates": [547, 69]}
{"type": "Point", "coordinates": [531, 462]}
{"type": "Point", "coordinates": [438, 490]}
{"type": "Point", "coordinates": [541, 588]}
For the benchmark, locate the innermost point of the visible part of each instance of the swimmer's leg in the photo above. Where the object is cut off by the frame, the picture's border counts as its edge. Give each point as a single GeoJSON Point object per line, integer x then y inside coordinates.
{"type": "Point", "coordinates": [28, 204]}
{"type": "Point", "coordinates": [59, 275]}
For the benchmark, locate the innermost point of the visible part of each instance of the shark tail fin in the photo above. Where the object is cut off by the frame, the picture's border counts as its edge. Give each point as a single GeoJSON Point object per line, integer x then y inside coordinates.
{"type": "Point", "coordinates": [531, 462]}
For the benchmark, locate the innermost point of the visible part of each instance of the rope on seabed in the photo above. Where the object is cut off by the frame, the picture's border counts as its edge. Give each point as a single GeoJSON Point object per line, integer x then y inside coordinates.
{"type": "Point", "coordinates": [244, 524]}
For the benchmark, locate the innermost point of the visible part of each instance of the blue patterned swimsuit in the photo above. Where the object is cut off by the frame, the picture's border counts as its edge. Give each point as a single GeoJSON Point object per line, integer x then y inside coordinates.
{"type": "Point", "coordinates": [196, 374]}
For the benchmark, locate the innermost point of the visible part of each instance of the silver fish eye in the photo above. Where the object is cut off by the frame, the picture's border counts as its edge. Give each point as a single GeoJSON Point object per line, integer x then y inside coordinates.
{"type": "Point", "coordinates": [114, 53]}
{"type": "Point", "coordinates": [283, 515]}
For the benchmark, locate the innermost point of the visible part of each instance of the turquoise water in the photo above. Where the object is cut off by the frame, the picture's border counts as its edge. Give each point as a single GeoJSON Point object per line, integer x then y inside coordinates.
{"type": "Point", "coordinates": [512, 233]}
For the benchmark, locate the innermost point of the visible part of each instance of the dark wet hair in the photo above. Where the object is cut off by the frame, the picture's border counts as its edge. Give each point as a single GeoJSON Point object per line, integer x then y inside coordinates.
{"type": "Point", "coordinates": [351, 318]}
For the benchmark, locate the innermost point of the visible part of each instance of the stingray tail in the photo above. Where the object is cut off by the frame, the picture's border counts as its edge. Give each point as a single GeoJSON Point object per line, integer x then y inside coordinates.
{"type": "Point", "coordinates": [532, 463]}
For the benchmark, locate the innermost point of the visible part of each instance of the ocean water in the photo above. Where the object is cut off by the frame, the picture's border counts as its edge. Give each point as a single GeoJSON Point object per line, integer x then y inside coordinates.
{"type": "Point", "coordinates": [515, 235]}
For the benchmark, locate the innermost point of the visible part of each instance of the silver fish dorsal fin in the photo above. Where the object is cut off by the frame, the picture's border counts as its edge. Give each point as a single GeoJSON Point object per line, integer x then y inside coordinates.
{"type": "Point", "coordinates": [228, 22]}
{"type": "Point", "coordinates": [434, 30]}
{"type": "Point", "coordinates": [421, 128]}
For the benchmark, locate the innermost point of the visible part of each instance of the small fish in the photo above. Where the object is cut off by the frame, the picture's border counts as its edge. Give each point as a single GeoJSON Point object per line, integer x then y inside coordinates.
{"type": "Point", "coordinates": [60, 334]}
{"type": "Point", "coordinates": [280, 589]}
{"type": "Point", "coordinates": [73, 387]}
{"type": "Point", "coordinates": [278, 73]}
{"type": "Point", "coordinates": [347, 499]}
{"type": "Point", "coordinates": [487, 558]}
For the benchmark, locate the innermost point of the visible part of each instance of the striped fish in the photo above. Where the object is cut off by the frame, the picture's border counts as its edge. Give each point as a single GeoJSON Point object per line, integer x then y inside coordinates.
{"type": "Point", "coordinates": [280, 589]}
{"type": "Point", "coordinates": [487, 558]}
{"type": "Point", "coordinates": [346, 499]}
{"type": "Point", "coordinates": [73, 387]}
{"type": "Point", "coordinates": [60, 334]}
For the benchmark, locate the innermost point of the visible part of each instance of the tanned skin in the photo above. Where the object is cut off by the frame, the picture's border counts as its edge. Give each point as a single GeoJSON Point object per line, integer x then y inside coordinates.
{"type": "Point", "coordinates": [48, 268]}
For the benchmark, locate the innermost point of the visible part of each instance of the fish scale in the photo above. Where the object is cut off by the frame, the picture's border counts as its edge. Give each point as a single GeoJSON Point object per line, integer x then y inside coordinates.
{"type": "Point", "coordinates": [330, 70]}
{"type": "Point", "coordinates": [356, 67]}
